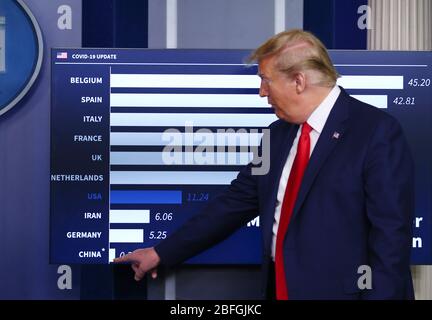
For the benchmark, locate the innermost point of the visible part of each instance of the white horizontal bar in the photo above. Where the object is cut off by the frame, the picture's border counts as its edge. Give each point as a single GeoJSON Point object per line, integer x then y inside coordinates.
{"type": "Point", "coordinates": [129, 216]}
{"type": "Point", "coordinates": [184, 139]}
{"type": "Point", "coordinates": [379, 101]}
{"type": "Point", "coordinates": [126, 235]}
{"type": "Point", "coordinates": [380, 65]}
{"type": "Point", "coordinates": [239, 81]}
{"type": "Point", "coordinates": [111, 254]}
{"type": "Point", "coordinates": [180, 158]}
{"type": "Point", "coordinates": [188, 100]}
{"type": "Point", "coordinates": [173, 177]}
{"type": "Point", "coordinates": [244, 120]}
{"type": "Point", "coordinates": [184, 81]}
{"type": "Point", "coordinates": [371, 82]}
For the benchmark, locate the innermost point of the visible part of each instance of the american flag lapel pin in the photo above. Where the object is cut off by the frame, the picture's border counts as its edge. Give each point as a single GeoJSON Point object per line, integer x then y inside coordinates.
{"type": "Point", "coordinates": [336, 135]}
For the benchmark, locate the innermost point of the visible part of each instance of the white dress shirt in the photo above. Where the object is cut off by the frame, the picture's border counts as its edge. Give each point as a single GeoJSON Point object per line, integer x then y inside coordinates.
{"type": "Point", "coordinates": [317, 121]}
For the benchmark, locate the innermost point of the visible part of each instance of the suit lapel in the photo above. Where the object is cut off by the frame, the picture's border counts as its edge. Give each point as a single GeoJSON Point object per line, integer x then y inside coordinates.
{"type": "Point", "coordinates": [333, 132]}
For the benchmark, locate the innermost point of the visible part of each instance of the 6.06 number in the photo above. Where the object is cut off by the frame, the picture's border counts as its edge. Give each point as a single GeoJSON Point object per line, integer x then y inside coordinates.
{"type": "Point", "coordinates": [163, 216]}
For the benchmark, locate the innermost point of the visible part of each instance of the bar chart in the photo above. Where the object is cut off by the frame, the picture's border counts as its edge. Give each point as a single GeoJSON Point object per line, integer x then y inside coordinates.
{"type": "Point", "coordinates": [186, 132]}
{"type": "Point", "coordinates": [166, 131]}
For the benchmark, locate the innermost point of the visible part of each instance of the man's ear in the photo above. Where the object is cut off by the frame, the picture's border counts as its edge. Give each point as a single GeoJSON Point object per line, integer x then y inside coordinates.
{"type": "Point", "coordinates": [300, 82]}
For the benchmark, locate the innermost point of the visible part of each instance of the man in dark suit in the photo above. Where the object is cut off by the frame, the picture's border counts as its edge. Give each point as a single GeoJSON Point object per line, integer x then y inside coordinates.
{"type": "Point", "coordinates": [337, 204]}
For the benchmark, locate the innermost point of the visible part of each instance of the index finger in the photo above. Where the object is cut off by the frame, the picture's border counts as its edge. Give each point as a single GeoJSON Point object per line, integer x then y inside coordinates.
{"type": "Point", "coordinates": [125, 258]}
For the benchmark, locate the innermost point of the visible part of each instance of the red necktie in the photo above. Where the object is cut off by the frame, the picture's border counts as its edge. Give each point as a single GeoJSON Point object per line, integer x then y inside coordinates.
{"type": "Point", "coordinates": [292, 188]}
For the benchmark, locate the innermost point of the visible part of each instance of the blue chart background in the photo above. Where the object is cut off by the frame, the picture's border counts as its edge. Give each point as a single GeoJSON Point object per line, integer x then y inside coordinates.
{"type": "Point", "coordinates": [242, 247]}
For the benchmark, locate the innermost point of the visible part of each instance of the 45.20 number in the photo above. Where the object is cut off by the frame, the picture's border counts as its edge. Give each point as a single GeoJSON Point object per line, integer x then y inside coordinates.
{"type": "Point", "coordinates": [157, 235]}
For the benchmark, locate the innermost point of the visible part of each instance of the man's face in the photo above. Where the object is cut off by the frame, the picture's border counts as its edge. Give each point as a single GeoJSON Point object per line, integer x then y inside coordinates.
{"type": "Point", "coordinates": [280, 91]}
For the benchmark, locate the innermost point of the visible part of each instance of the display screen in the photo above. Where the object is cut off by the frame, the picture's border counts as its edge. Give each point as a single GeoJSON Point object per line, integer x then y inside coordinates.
{"type": "Point", "coordinates": [142, 140]}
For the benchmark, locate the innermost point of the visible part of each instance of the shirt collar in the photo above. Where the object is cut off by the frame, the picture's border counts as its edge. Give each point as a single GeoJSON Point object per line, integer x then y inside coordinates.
{"type": "Point", "coordinates": [319, 117]}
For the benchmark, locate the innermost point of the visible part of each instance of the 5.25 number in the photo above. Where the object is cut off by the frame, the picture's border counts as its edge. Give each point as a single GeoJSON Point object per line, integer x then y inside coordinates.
{"type": "Point", "coordinates": [157, 235]}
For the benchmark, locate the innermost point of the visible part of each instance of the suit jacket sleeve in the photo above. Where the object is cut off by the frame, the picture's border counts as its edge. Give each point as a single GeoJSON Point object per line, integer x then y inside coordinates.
{"type": "Point", "coordinates": [226, 213]}
{"type": "Point", "coordinates": [389, 193]}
